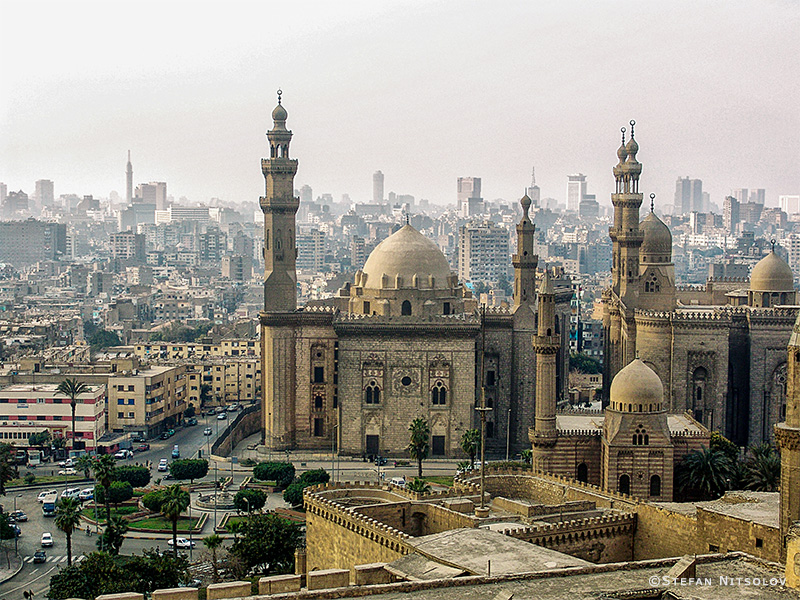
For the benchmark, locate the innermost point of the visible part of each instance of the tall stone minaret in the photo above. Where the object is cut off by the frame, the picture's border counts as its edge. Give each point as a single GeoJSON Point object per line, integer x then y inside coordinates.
{"type": "Point", "coordinates": [279, 206]}
{"type": "Point", "coordinates": [129, 180]}
{"type": "Point", "coordinates": [546, 344]}
{"type": "Point", "coordinates": [524, 260]}
{"type": "Point", "coordinates": [787, 434]}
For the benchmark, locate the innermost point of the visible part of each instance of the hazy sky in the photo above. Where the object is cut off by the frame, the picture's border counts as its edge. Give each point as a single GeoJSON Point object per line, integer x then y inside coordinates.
{"type": "Point", "coordinates": [425, 91]}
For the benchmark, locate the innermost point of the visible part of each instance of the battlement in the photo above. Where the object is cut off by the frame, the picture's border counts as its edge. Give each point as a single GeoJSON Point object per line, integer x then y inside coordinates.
{"type": "Point", "coordinates": [579, 432]}
{"type": "Point", "coordinates": [564, 527]}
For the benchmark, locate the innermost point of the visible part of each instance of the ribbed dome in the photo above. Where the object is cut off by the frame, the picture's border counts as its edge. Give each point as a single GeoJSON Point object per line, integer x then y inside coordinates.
{"type": "Point", "coordinates": [407, 253]}
{"type": "Point", "coordinates": [771, 274]}
{"type": "Point", "coordinates": [279, 113]}
{"type": "Point", "coordinates": [637, 384]}
{"type": "Point", "coordinates": [657, 238]}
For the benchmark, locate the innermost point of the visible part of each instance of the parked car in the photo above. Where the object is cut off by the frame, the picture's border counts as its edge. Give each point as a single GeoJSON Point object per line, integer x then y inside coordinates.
{"type": "Point", "coordinates": [183, 543]}
{"type": "Point", "coordinates": [47, 540]}
{"type": "Point", "coordinates": [165, 435]}
{"type": "Point", "coordinates": [138, 439]}
{"type": "Point", "coordinates": [71, 493]}
{"type": "Point", "coordinates": [66, 463]}
{"type": "Point", "coordinates": [176, 452]}
{"type": "Point", "coordinates": [69, 471]}
{"type": "Point", "coordinates": [142, 447]}
{"type": "Point", "coordinates": [191, 421]}
{"type": "Point", "coordinates": [222, 416]}
{"type": "Point", "coordinates": [163, 465]}
{"type": "Point", "coordinates": [380, 461]}
{"type": "Point", "coordinates": [19, 516]}
{"type": "Point", "coordinates": [207, 431]}
{"type": "Point", "coordinates": [45, 494]}
{"type": "Point", "coordinates": [40, 556]}
{"type": "Point", "coordinates": [87, 494]}
{"type": "Point", "coordinates": [233, 407]}
{"type": "Point", "coordinates": [124, 453]}
{"type": "Point", "coordinates": [17, 530]}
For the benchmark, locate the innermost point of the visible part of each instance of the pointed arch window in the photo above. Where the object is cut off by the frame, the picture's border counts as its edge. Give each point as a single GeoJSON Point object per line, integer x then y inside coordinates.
{"type": "Point", "coordinates": [439, 394]}
{"type": "Point", "coordinates": [372, 393]}
{"type": "Point", "coordinates": [651, 284]}
{"type": "Point", "coordinates": [405, 308]}
{"type": "Point", "coordinates": [655, 486]}
{"type": "Point", "coordinates": [624, 485]}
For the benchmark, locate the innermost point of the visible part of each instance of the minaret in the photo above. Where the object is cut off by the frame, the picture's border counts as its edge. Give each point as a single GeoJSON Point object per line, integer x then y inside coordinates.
{"type": "Point", "coordinates": [129, 180]}
{"type": "Point", "coordinates": [546, 344]}
{"type": "Point", "coordinates": [524, 260]}
{"type": "Point", "coordinates": [279, 206]}
{"type": "Point", "coordinates": [787, 434]}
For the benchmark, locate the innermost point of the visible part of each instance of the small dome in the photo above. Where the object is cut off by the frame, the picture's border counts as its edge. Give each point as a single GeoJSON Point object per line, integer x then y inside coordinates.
{"type": "Point", "coordinates": [632, 148]}
{"type": "Point", "coordinates": [622, 153]}
{"type": "Point", "coordinates": [771, 274]}
{"type": "Point", "coordinates": [279, 113]}
{"type": "Point", "coordinates": [525, 202]}
{"type": "Point", "coordinates": [407, 253]}
{"type": "Point", "coordinates": [657, 239]}
{"type": "Point", "coordinates": [636, 384]}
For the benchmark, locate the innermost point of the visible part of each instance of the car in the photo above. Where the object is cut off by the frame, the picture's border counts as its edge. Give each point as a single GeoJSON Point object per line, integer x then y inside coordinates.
{"type": "Point", "coordinates": [163, 465]}
{"type": "Point", "coordinates": [212, 410]}
{"type": "Point", "coordinates": [66, 463]}
{"type": "Point", "coordinates": [123, 453]}
{"type": "Point", "coordinates": [142, 447]}
{"type": "Point", "coordinates": [222, 416]}
{"type": "Point", "coordinates": [380, 461]}
{"type": "Point", "coordinates": [47, 540]}
{"type": "Point", "coordinates": [41, 497]}
{"type": "Point", "coordinates": [207, 431]}
{"type": "Point", "coordinates": [176, 452]}
{"type": "Point", "coordinates": [87, 494]}
{"type": "Point", "coordinates": [165, 435]}
{"type": "Point", "coordinates": [40, 556]}
{"type": "Point", "coordinates": [183, 543]}
{"type": "Point", "coordinates": [138, 439]}
{"type": "Point", "coordinates": [233, 407]}
{"type": "Point", "coordinates": [19, 516]}
{"type": "Point", "coordinates": [71, 493]}
{"type": "Point", "coordinates": [191, 421]}
{"type": "Point", "coordinates": [69, 471]}
{"type": "Point", "coordinates": [17, 530]}
{"type": "Point", "coordinates": [398, 481]}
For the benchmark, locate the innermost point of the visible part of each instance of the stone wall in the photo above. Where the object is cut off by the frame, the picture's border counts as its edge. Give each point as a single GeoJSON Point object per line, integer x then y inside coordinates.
{"type": "Point", "coordinates": [724, 533]}
{"type": "Point", "coordinates": [244, 425]}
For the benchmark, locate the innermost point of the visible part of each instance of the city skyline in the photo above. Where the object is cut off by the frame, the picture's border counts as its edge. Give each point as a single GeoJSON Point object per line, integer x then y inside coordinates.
{"type": "Point", "coordinates": [711, 87]}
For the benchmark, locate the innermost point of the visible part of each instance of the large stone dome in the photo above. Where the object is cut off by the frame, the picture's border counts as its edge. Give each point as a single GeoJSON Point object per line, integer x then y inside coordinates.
{"type": "Point", "coordinates": [636, 388]}
{"type": "Point", "coordinates": [771, 274]}
{"type": "Point", "coordinates": [657, 239]}
{"type": "Point", "coordinates": [407, 253]}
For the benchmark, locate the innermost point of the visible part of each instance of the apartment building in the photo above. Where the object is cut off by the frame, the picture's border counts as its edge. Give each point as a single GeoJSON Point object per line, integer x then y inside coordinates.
{"type": "Point", "coordinates": [148, 400]}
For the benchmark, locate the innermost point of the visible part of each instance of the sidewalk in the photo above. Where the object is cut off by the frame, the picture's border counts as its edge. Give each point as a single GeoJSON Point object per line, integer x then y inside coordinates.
{"type": "Point", "coordinates": [7, 572]}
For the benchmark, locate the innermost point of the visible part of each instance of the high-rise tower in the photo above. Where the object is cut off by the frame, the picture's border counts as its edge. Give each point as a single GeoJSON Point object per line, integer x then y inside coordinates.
{"type": "Point", "coordinates": [377, 187]}
{"type": "Point", "coordinates": [533, 192]}
{"type": "Point", "coordinates": [129, 180]}
{"type": "Point", "coordinates": [524, 260]}
{"type": "Point", "coordinates": [279, 206]}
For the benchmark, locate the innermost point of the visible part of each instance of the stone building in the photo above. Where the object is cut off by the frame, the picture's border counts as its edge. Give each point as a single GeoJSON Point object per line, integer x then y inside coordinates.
{"type": "Point", "coordinates": [403, 339]}
{"type": "Point", "coordinates": [719, 350]}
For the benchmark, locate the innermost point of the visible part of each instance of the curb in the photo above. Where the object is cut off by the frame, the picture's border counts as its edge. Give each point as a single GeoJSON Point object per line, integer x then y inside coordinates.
{"type": "Point", "coordinates": [14, 574]}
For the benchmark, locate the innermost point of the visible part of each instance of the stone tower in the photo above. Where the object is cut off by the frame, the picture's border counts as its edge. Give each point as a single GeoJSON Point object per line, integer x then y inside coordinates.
{"type": "Point", "coordinates": [524, 260]}
{"type": "Point", "coordinates": [787, 434]}
{"type": "Point", "coordinates": [279, 206]}
{"type": "Point", "coordinates": [278, 352]}
{"type": "Point", "coordinates": [546, 345]}
{"type": "Point", "coordinates": [129, 180]}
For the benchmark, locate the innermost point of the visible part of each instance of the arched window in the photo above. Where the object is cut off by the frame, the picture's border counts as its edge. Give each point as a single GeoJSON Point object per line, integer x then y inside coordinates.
{"type": "Point", "coordinates": [372, 393]}
{"type": "Point", "coordinates": [624, 485]}
{"type": "Point", "coordinates": [405, 309]}
{"type": "Point", "coordinates": [655, 486]}
{"type": "Point", "coordinates": [278, 245]}
{"type": "Point", "coordinates": [651, 285]}
{"type": "Point", "coordinates": [439, 394]}
{"type": "Point", "coordinates": [583, 473]}
{"type": "Point", "coordinates": [318, 402]}
{"type": "Point", "coordinates": [699, 383]}
{"type": "Point", "coordinates": [765, 300]}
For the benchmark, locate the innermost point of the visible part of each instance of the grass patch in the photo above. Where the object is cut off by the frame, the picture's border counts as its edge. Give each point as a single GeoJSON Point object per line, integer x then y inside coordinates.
{"type": "Point", "coordinates": [55, 479]}
{"type": "Point", "coordinates": [162, 524]}
{"type": "Point", "coordinates": [446, 480]}
{"type": "Point", "coordinates": [122, 511]}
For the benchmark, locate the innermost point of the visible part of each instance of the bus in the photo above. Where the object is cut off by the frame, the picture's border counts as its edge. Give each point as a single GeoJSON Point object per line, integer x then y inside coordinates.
{"type": "Point", "coordinates": [49, 504]}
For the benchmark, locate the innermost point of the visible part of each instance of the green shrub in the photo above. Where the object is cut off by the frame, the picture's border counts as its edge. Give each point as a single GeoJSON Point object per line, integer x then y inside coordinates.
{"type": "Point", "coordinates": [282, 473]}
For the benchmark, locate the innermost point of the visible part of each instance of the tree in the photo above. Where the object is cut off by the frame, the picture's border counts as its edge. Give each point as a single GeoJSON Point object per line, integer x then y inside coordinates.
{"type": "Point", "coordinates": [189, 468]}
{"type": "Point", "coordinates": [104, 339]}
{"type": "Point", "coordinates": [114, 535]}
{"type": "Point", "coordinates": [294, 494]}
{"type": "Point", "coordinates": [41, 439]}
{"type": "Point", "coordinates": [471, 445]}
{"type": "Point", "coordinates": [724, 445]}
{"type": "Point", "coordinates": [249, 500]}
{"type": "Point", "coordinates": [419, 486]}
{"type": "Point", "coordinates": [266, 543]}
{"type": "Point", "coordinates": [213, 542]}
{"type": "Point", "coordinates": [72, 388]}
{"type": "Point", "coordinates": [174, 501]}
{"type": "Point", "coordinates": [189, 412]}
{"type": "Point", "coordinates": [152, 501]}
{"type": "Point", "coordinates": [282, 473]}
{"type": "Point", "coordinates": [578, 361]}
{"type": "Point", "coordinates": [84, 463]}
{"type": "Point", "coordinates": [105, 467]}
{"type": "Point", "coordinates": [119, 491]}
{"type": "Point", "coordinates": [762, 468]}
{"type": "Point", "coordinates": [419, 445]}
{"type": "Point", "coordinates": [704, 474]}
{"type": "Point", "coordinates": [314, 476]}
{"type": "Point", "coordinates": [7, 469]}
{"type": "Point", "coordinates": [205, 394]}
{"type": "Point", "coordinates": [68, 518]}
{"type": "Point", "coordinates": [138, 477]}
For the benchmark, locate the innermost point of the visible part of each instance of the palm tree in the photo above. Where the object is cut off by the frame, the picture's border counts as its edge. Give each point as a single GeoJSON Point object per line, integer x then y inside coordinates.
{"type": "Point", "coordinates": [704, 474]}
{"type": "Point", "coordinates": [72, 388]}
{"type": "Point", "coordinates": [419, 486]}
{"type": "Point", "coordinates": [113, 536]}
{"type": "Point", "coordinates": [104, 472]}
{"type": "Point", "coordinates": [471, 445]}
{"type": "Point", "coordinates": [68, 517]}
{"type": "Point", "coordinates": [85, 464]}
{"type": "Point", "coordinates": [174, 501]}
{"type": "Point", "coordinates": [212, 542]}
{"type": "Point", "coordinates": [762, 469]}
{"type": "Point", "coordinates": [419, 446]}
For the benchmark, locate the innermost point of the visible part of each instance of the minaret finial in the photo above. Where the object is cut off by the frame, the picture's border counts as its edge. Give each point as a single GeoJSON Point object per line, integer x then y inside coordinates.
{"type": "Point", "coordinates": [280, 92]}
{"type": "Point", "coordinates": [632, 124]}
{"type": "Point", "coordinates": [407, 223]}
{"type": "Point", "coordinates": [772, 241]}
{"type": "Point", "coordinates": [622, 129]}
{"type": "Point", "coordinates": [129, 156]}
{"type": "Point", "coordinates": [652, 198]}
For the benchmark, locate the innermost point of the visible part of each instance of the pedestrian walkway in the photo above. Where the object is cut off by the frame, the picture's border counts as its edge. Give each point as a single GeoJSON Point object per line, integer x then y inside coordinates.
{"type": "Point", "coordinates": [56, 559]}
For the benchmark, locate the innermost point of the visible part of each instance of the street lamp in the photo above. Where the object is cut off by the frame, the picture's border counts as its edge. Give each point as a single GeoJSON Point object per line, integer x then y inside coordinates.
{"type": "Point", "coordinates": [508, 433]}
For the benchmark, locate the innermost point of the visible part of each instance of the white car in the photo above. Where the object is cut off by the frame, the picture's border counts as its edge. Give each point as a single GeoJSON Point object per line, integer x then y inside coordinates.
{"type": "Point", "coordinates": [66, 463]}
{"type": "Point", "coordinates": [87, 494]}
{"type": "Point", "coordinates": [221, 416]}
{"type": "Point", "coordinates": [123, 454]}
{"type": "Point", "coordinates": [233, 407]}
{"type": "Point", "coordinates": [47, 540]}
{"type": "Point", "coordinates": [71, 493]}
{"type": "Point", "coordinates": [44, 495]}
{"type": "Point", "coordinates": [69, 471]}
{"type": "Point", "coordinates": [163, 465]}
{"type": "Point", "coordinates": [183, 543]}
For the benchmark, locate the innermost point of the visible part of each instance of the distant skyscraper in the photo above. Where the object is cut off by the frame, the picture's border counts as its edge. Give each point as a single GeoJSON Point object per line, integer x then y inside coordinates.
{"type": "Point", "coordinates": [357, 252]}
{"type": "Point", "coordinates": [533, 192]}
{"type": "Point", "coordinates": [306, 194]}
{"type": "Point", "coordinates": [789, 204]}
{"type": "Point", "coordinates": [741, 194]}
{"type": "Point", "coordinates": [730, 213]}
{"type": "Point", "coordinates": [758, 195]}
{"type": "Point", "coordinates": [3, 192]}
{"type": "Point", "coordinates": [576, 190]}
{"type": "Point", "coordinates": [129, 180]}
{"type": "Point", "coordinates": [470, 201]}
{"type": "Point", "coordinates": [483, 252]}
{"type": "Point", "coordinates": [377, 187]}
{"type": "Point", "coordinates": [688, 195]}
{"type": "Point", "coordinates": [44, 192]}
